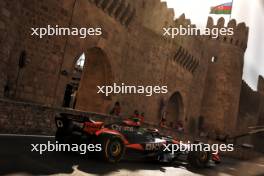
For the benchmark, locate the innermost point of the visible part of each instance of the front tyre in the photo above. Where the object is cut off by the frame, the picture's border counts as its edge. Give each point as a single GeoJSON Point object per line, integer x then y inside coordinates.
{"type": "Point", "coordinates": [198, 159]}
{"type": "Point", "coordinates": [113, 148]}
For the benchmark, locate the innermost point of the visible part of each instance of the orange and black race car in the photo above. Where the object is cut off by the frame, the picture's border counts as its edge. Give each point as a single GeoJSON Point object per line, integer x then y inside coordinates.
{"type": "Point", "coordinates": [126, 138]}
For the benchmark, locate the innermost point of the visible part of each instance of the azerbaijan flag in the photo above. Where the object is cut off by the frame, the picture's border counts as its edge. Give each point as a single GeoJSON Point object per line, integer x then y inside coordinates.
{"type": "Point", "coordinates": [225, 8]}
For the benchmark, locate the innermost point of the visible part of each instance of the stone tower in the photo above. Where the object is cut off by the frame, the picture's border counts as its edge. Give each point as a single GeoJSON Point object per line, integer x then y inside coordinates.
{"type": "Point", "coordinates": [261, 84]}
{"type": "Point", "coordinates": [261, 95]}
{"type": "Point", "coordinates": [223, 83]}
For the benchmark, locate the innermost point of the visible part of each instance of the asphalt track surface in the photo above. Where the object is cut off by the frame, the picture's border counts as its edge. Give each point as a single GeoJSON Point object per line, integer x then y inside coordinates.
{"type": "Point", "coordinates": [16, 158]}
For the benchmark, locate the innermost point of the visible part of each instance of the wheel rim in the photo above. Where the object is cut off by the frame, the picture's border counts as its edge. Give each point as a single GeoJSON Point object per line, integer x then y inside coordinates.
{"type": "Point", "coordinates": [203, 156]}
{"type": "Point", "coordinates": [115, 149]}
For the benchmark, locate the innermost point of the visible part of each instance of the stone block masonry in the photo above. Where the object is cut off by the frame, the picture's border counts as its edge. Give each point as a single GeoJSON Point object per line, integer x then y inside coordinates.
{"type": "Point", "coordinates": [26, 118]}
{"type": "Point", "coordinates": [131, 50]}
{"type": "Point", "coordinates": [36, 119]}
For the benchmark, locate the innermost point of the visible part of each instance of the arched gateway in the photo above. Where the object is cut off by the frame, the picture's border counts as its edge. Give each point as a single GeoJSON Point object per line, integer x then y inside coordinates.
{"type": "Point", "coordinates": [96, 72]}
{"type": "Point", "coordinates": [174, 110]}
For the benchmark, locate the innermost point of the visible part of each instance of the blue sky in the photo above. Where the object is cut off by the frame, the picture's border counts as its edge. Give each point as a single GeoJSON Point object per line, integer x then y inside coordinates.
{"type": "Point", "coordinates": [249, 11]}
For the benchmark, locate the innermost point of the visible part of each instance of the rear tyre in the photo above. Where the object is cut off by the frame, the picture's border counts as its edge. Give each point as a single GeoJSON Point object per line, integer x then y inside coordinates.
{"type": "Point", "coordinates": [60, 136]}
{"type": "Point", "coordinates": [63, 138]}
{"type": "Point", "coordinates": [113, 148]}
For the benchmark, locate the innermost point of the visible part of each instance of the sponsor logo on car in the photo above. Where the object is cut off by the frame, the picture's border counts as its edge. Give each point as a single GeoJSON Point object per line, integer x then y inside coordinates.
{"type": "Point", "coordinates": [122, 128]}
{"type": "Point", "coordinates": [153, 146]}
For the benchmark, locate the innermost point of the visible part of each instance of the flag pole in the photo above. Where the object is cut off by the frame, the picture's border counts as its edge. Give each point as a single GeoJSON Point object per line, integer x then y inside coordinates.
{"type": "Point", "coordinates": [231, 10]}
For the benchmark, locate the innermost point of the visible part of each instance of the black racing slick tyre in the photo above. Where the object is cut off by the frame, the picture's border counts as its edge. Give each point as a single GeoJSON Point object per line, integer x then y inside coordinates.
{"type": "Point", "coordinates": [198, 159]}
{"type": "Point", "coordinates": [60, 136]}
{"type": "Point", "coordinates": [113, 148]}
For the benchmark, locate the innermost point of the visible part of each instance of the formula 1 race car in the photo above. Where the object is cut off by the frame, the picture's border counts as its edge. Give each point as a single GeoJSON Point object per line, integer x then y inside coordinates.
{"type": "Point", "coordinates": [125, 138]}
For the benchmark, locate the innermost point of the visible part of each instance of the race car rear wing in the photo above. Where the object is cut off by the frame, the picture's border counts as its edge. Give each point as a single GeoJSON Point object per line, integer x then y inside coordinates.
{"type": "Point", "coordinates": [73, 117]}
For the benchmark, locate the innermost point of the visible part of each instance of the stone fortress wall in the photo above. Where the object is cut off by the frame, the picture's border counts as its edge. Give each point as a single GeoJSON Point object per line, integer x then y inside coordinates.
{"type": "Point", "coordinates": [131, 50]}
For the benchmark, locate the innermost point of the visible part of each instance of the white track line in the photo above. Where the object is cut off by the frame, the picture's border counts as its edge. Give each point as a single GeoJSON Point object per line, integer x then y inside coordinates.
{"type": "Point", "coordinates": [27, 135]}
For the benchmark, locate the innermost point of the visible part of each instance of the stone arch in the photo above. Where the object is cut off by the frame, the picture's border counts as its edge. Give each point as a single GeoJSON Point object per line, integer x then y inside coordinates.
{"type": "Point", "coordinates": [201, 122]}
{"type": "Point", "coordinates": [174, 109]}
{"type": "Point", "coordinates": [96, 72]}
